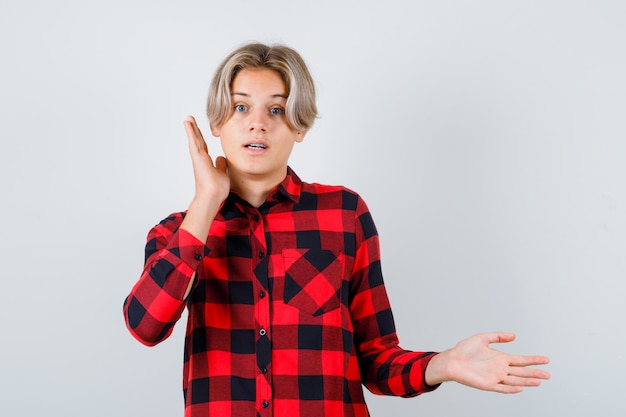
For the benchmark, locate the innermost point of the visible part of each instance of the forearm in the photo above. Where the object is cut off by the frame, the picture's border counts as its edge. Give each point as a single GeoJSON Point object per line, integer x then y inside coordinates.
{"type": "Point", "coordinates": [157, 300]}
{"type": "Point", "coordinates": [197, 222]}
{"type": "Point", "coordinates": [397, 372]}
{"type": "Point", "coordinates": [200, 216]}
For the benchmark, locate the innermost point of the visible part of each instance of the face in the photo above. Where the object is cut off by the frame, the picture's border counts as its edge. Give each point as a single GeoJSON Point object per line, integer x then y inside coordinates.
{"type": "Point", "coordinates": [257, 139]}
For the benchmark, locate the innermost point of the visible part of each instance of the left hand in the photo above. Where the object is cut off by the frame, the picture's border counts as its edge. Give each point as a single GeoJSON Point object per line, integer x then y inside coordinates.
{"type": "Point", "coordinates": [474, 363]}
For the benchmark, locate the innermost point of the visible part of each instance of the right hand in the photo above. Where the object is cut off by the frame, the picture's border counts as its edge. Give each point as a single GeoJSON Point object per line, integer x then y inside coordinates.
{"type": "Point", "coordinates": [212, 187]}
{"type": "Point", "coordinates": [212, 180]}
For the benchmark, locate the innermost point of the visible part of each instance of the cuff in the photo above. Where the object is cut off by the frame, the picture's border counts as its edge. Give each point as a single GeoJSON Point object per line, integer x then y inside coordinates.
{"type": "Point", "coordinates": [418, 374]}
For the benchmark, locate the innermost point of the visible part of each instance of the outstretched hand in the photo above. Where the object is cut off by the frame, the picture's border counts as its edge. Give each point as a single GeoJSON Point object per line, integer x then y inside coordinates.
{"type": "Point", "coordinates": [474, 363]}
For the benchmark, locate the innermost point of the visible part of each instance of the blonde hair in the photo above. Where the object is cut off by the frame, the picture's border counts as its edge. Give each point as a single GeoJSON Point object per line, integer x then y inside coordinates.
{"type": "Point", "coordinates": [301, 109]}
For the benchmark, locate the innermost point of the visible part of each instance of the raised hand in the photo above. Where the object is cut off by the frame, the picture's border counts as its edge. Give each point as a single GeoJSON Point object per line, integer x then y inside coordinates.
{"type": "Point", "coordinates": [212, 187]}
{"type": "Point", "coordinates": [212, 184]}
{"type": "Point", "coordinates": [212, 181]}
{"type": "Point", "coordinates": [474, 363]}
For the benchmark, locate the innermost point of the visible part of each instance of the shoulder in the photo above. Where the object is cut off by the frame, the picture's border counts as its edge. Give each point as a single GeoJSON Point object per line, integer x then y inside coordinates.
{"type": "Point", "coordinates": [331, 196]}
{"type": "Point", "coordinates": [169, 224]}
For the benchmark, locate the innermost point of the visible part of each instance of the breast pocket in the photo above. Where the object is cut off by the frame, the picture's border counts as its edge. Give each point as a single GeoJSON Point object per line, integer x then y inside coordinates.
{"type": "Point", "coordinates": [313, 279]}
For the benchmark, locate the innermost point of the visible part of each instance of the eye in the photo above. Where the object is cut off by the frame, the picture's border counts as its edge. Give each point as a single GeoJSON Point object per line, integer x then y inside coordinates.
{"type": "Point", "coordinates": [276, 111]}
{"type": "Point", "coordinates": [241, 107]}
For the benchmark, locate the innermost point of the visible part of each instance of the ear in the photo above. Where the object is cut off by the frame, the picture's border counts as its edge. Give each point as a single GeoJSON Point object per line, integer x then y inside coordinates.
{"type": "Point", "coordinates": [300, 136]}
{"type": "Point", "coordinates": [215, 131]}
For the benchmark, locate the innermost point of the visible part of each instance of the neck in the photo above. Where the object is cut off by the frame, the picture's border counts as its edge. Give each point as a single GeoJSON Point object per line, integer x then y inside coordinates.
{"type": "Point", "coordinates": [252, 188]}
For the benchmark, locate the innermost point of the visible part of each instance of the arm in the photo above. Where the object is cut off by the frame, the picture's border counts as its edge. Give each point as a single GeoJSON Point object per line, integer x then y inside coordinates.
{"type": "Point", "coordinates": [212, 186]}
{"type": "Point", "coordinates": [386, 368]}
{"type": "Point", "coordinates": [175, 248]}
{"type": "Point", "coordinates": [156, 301]}
{"type": "Point", "coordinates": [473, 363]}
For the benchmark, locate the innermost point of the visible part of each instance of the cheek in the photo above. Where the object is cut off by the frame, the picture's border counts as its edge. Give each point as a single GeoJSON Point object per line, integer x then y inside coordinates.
{"type": "Point", "coordinates": [226, 144]}
{"type": "Point", "coordinates": [228, 134]}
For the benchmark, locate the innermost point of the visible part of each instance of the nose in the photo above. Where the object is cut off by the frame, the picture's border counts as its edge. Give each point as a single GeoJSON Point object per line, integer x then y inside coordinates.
{"type": "Point", "coordinates": [259, 120]}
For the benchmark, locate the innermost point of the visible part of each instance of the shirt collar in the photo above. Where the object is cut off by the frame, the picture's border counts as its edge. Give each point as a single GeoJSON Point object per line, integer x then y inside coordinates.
{"type": "Point", "coordinates": [289, 188]}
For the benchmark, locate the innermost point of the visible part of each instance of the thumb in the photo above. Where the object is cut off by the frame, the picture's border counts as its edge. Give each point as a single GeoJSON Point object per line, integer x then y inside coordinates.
{"type": "Point", "coordinates": [221, 164]}
{"type": "Point", "coordinates": [500, 337]}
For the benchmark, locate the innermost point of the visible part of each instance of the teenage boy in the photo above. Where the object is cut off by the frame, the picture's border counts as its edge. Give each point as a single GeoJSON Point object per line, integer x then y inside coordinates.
{"type": "Point", "coordinates": [287, 311]}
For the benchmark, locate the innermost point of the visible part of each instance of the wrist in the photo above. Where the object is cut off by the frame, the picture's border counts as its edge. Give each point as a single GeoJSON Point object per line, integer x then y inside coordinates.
{"type": "Point", "coordinates": [437, 370]}
{"type": "Point", "coordinates": [199, 216]}
{"type": "Point", "coordinates": [209, 197]}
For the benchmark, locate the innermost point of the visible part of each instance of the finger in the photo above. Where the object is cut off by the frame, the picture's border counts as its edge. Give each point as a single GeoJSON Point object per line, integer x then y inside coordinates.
{"type": "Point", "coordinates": [519, 360]}
{"type": "Point", "coordinates": [194, 136]}
{"type": "Point", "coordinates": [192, 130]}
{"type": "Point", "coordinates": [191, 120]}
{"type": "Point", "coordinates": [507, 389]}
{"type": "Point", "coordinates": [189, 124]}
{"type": "Point", "coordinates": [519, 381]}
{"type": "Point", "coordinates": [528, 373]}
{"type": "Point", "coordinates": [195, 127]}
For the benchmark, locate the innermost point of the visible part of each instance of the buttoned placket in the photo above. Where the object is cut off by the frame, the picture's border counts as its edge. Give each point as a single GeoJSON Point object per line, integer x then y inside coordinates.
{"type": "Point", "coordinates": [259, 247]}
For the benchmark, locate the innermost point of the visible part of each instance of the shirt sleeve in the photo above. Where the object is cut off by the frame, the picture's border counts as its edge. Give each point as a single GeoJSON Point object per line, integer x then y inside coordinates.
{"type": "Point", "coordinates": [386, 368]}
{"type": "Point", "coordinates": [156, 301]}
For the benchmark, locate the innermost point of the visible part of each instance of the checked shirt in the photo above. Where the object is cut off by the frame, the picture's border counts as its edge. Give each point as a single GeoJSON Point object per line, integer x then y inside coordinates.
{"type": "Point", "coordinates": [288, 315]}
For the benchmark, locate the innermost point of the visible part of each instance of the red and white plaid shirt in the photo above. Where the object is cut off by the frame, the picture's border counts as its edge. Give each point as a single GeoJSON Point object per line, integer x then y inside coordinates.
{"type": "Point", "coordinates": [288, 315]}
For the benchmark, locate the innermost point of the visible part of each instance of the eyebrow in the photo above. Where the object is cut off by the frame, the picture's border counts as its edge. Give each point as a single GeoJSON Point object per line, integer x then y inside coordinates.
{"type": "Point", "coordinates": [236, 93]}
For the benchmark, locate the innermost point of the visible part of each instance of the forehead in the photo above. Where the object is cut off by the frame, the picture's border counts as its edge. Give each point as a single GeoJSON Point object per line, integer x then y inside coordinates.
{"type": "Point", "coordinates": [259, 81]}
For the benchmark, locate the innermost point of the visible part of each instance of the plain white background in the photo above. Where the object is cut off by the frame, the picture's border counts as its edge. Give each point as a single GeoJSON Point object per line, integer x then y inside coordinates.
{"type": "Point", "coordinates": [487, 137]}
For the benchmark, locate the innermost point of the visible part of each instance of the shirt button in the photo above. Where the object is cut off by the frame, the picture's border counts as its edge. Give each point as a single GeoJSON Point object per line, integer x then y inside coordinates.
{"type": "Point", "coordinates": [256, 218]}
{"type": "Point", "coordinates": [197, 256]}
{"type": "Point", "coordinates": [261, 255]}
{"type": "Point", "coordinates": [265, 404]}
{"type": "Point", "coordinates": [263, 370]}
{"type": "Point", "coordinates": [262, 332]}
{"type": "Point", "coordinates": [262, 294]}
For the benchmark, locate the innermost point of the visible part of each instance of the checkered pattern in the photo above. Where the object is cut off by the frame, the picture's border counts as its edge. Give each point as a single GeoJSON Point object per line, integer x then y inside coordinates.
{"type": "Point", "coordinates": [288, 315]}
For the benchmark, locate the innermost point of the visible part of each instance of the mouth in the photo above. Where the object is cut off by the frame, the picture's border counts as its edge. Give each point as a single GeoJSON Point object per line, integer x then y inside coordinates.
{"type": "Point", "coordinates": [256, 146]}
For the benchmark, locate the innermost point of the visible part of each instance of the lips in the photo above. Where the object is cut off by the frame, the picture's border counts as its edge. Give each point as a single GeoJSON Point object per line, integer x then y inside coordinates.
{"type": "Point", "coordinates": [256, 146]}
